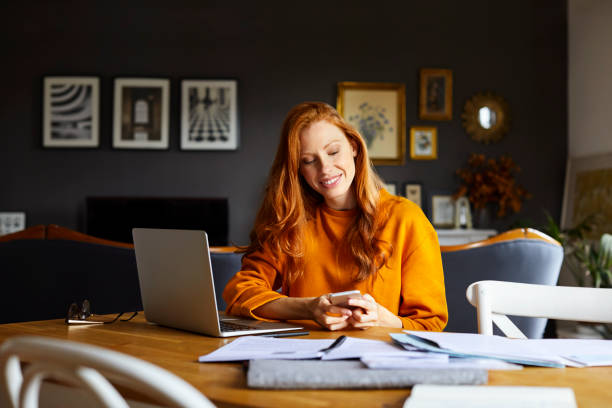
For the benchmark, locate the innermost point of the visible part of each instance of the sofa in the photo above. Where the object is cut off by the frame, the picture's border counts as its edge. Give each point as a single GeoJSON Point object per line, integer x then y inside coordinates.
{"type": "Point", "coordinates": [46, 268]}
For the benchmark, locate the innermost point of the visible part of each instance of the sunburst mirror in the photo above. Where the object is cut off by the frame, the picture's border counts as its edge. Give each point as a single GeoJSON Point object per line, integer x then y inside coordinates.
{"type": "Point", "coordinates": [486, 117]}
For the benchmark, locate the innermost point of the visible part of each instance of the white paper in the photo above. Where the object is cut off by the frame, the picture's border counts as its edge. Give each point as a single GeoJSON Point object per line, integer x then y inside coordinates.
{"type": "Point", "coordinates": [469, 396]}
{"type": "Point", "coordinates": [256, 347]}
{"type": "Point", "coordinates": [492, 346]}
{"type": "Point", "coordinates": [353, 347]}
{"type": "Point", "coordinates": [571, 352]}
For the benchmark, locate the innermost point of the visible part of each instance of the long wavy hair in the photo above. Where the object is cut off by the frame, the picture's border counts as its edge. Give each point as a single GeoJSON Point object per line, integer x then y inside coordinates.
{"type": "Point", "coordinates": [289, 202]}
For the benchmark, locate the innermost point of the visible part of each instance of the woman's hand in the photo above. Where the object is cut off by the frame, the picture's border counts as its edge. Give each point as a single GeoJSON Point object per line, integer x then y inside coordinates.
{"type": "Point", "coordinates": [330, 316]}
{"type": "Point", "coordinates": [368, 313]}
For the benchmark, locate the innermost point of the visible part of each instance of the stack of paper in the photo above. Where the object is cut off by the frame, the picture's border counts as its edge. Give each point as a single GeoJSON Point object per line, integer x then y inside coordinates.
{"type": "Point", "coordinates": [544, 352]}
{"type": "Point", "coordinates": [375, 354]}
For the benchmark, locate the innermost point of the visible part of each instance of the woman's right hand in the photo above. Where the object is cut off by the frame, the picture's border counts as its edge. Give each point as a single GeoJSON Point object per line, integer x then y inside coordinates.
{"type": "Point", "coordinates": [331, 317]}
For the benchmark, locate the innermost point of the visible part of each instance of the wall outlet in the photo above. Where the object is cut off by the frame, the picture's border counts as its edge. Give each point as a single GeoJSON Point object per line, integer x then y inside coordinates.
{"type": "Point", "coordinates": [11, 222]}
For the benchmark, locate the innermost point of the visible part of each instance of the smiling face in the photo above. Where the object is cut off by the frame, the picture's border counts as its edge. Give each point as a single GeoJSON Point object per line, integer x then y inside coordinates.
{"type": "Point", "coordinates": [327, 163]}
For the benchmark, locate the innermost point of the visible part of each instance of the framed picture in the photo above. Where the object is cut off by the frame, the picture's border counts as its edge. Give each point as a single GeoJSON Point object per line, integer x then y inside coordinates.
{"type": "Point", "coordinates": [71, 111]}
{"type": "Point", "coordinates": [423, 143]}
{"type": "Point", "coordinates": [413, 192]}
{"type": "Point", "coordinates": [436, 94]}
{"type": "Point", "coordinates": [391, 188]}
{"type": "Point", "coordinates": [209, 114]}
{"type": "Point", "coordinates": [141, 113]}
{"type": "Point", "coordinates": [377, 111]}
{"type": "Point", "coordinates": [588, 191]}
{"type": "Point", "coordinates": [442, 211]}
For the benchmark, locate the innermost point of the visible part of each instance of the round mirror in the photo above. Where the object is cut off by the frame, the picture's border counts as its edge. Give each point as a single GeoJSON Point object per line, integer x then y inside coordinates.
{"type": "Point", "coordinates": [486, 117]}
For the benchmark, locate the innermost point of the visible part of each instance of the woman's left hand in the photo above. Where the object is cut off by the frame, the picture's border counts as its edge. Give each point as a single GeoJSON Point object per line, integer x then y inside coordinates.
{"type": "Point", "coordinates": [368, 313]}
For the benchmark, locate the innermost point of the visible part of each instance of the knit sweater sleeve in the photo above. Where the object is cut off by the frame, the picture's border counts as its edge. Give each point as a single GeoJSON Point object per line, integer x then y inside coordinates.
{"type": "Point", "coordinates": [254, 285]}
{"type": "Point", "coordinates": [423, 298]}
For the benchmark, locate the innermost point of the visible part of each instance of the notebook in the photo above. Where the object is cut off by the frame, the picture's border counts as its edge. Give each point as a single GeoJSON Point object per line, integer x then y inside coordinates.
{"type": "Point", "coordinates": [177, 285]}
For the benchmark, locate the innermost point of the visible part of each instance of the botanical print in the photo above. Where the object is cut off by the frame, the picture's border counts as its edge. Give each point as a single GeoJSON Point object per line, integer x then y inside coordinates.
{"type": "Point", "coordinates": [423, 143]}
{"type": "Point", "coordinates": [374, 114]}
{"type": "Point", "coordinates": [594, 197]}
{"type": "Point", "coordinates": [371, 122]}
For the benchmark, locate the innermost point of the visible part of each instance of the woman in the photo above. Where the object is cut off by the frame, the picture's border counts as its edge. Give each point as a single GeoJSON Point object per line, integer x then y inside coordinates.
{"type": "Point", "coordinates": [326, 225]}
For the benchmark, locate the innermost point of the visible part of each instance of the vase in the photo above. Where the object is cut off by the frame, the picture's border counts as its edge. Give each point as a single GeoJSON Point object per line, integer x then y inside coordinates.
{"type": "Point", "coordinates": [481, 218]}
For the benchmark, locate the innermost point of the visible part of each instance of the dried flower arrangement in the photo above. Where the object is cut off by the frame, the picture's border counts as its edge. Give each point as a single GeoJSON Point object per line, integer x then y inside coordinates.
{"type": "Point", "coordinates": [487, 181]}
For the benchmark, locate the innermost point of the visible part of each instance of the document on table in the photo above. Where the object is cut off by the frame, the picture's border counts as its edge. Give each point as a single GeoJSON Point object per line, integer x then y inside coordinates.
{"type": "Point", "coordinates": [449, 396]}
{"type": "Point", "coordinates": [545, 352]}
{"type": "Point", "coordinates": [255, 347]}
{"type": "Point", "coordinates": [356, 348]}
{"type": "Point", "coordinates": [476, 346]}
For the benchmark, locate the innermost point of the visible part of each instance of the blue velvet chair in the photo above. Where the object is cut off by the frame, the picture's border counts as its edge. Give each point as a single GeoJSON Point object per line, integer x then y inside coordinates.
{"type": "Point", "coordinates": [520, 255]}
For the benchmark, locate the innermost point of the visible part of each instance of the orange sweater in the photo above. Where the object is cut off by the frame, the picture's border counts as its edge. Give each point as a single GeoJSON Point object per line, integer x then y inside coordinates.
{"type": "Point", "coordinates": [411, 284]}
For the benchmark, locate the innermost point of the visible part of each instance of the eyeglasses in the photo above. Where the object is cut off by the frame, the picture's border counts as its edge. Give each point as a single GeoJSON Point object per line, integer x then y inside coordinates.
{"type": "Point", "coordinates": [78, 314]}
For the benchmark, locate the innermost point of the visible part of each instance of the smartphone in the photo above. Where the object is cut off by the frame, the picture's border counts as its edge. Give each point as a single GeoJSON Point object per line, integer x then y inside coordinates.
{"type": "Point", "coordinates": [341, 298]}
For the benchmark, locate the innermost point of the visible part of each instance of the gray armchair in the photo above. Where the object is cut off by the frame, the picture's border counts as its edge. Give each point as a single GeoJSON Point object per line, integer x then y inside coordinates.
{"type": "Point", "coordinates": [520, 255]}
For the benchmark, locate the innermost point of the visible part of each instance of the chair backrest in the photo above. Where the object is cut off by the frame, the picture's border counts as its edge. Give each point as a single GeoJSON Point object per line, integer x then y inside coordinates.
{"type": "Point", "coordinates": [520, 255]}
{"type": "Point", "coordinates": [496, 299]}
{"type": "Point", "coordinates": [46, 268]}
{"type": "Point", "coordinates": [87, 367]}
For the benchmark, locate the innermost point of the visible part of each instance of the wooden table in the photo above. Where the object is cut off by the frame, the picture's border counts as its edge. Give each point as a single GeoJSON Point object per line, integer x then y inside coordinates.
{"type": "Point", "coordinates": [225, 384]}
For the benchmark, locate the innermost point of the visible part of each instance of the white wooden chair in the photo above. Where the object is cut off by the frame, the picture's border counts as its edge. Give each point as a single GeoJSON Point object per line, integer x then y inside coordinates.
{"type": "Point", "coordinates": [496, 299]}
{"type": "Point", "coordinates": [84, 367]}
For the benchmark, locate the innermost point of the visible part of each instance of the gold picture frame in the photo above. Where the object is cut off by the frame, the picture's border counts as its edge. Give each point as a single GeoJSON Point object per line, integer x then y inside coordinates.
{"type": "Point", "coordinates": [436, 94]}
{"type": "Point", "coordinates": [378, 111]}
{"type": "Point", "coordinates": [423, 143]}
{"type": "Point", "coordinates": [588, 183]}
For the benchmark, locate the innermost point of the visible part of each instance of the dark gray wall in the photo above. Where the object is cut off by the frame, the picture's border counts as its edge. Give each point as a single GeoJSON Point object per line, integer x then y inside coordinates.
{"type": "Point", "coordinates": [281, 56]}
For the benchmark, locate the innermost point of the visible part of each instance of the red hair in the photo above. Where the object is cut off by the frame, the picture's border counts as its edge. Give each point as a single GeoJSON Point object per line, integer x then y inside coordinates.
{"type": "Point", "coordinates": [289, 202]}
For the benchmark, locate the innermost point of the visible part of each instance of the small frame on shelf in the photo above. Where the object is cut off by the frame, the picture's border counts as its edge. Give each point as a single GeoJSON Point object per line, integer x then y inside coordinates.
{"type": "Point", "coordinates": [588, 191]}
{"type": "Point", "coordinates": [442, 211]}
{"type": "Point", "coordinates": [436, 94]}
{"type": "Point", "coordinates": [209, 114]}
{"type": "Point", "coordinates": [413, 192]}
{"type": "Point", "coordinates": [391, 187]}
{"type": "Point", "coordinates": [12, 222]}
{"type": "Point", "coordinates": [141, 115]}
{"type": "Point", "coordinates": [423, 143]}
{"type": "Point", "coordinates": [377, 110]}
{"type": "Point", "coordinates": [71, 111]}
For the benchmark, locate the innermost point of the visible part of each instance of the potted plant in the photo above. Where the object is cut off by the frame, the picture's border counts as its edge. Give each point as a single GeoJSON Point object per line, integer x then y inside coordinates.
{"type": "Point", "coordinates": [589, 261]}
{"type": "Point", "coordinates": [491, 181]}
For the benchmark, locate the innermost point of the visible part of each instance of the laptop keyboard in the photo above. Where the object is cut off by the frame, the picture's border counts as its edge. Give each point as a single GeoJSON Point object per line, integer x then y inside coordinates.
{"type": "Point", "coordinates": [230, 327]}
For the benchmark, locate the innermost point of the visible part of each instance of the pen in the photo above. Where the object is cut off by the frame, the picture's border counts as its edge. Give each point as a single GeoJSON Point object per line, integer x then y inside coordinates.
{"type": "Point", "coordinates": [285, 334]}
{"type": "Point", "coordinates": [337, 343]}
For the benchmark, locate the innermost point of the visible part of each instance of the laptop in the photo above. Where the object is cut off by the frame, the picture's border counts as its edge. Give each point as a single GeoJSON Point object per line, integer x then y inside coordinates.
{"type": "Point", "coordinates": [178, 289]}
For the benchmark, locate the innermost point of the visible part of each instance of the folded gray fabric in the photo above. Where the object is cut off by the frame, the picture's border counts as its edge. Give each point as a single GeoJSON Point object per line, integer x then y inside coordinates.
{"type": "Point", "coordinates": [317, 374]}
